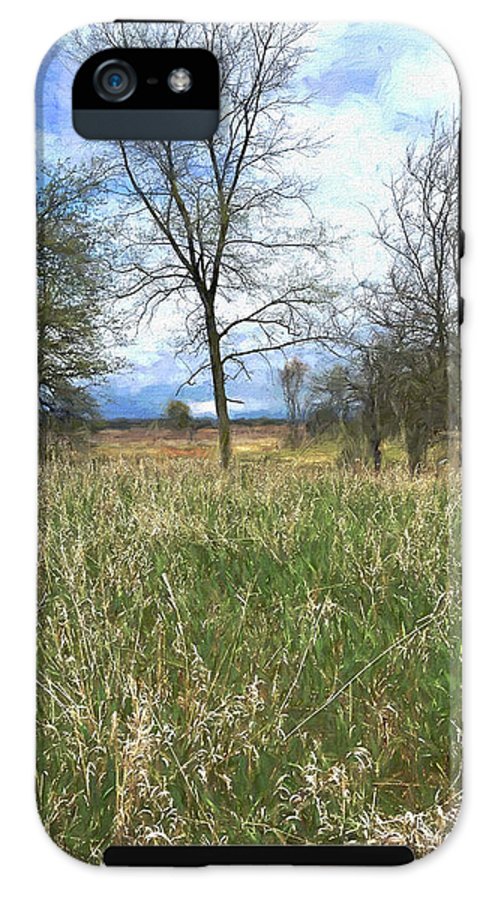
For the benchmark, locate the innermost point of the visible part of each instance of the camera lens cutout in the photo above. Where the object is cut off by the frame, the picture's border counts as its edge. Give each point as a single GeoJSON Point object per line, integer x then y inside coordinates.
{"type": "Point", "coordinates": [115, 80]}
{"type": "Point", "coordinates": [180, 81]}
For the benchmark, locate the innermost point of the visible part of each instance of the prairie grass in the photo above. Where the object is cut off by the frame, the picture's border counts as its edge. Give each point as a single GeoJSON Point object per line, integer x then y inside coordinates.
{"type": "Point", "coordinates": [261, 656]}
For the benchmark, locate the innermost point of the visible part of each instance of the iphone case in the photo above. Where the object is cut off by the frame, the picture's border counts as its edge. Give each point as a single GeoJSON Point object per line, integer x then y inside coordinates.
{"type": "Point", "coordinates": [249, 564]}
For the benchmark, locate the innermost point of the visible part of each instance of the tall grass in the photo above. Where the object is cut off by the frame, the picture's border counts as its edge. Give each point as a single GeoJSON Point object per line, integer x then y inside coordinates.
{"type": "Point", "coordinates": [261, 656]}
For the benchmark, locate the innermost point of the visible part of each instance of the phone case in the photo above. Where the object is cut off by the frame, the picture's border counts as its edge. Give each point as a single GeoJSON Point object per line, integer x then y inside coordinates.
{"type": "Point", "coordinates": [249, 563]}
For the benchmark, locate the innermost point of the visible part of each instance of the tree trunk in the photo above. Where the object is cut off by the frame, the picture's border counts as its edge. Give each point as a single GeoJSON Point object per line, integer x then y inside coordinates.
{"type": "Point", "coordinates": [377, 455]}
{"type": "Point", "coordinates": [224, 437]}
{"type": "Point", "coordinates": [375, 439]}
{"type": "Point", "coordinates": [416, 444]}
{"type": "Point", "coordinates": [293, 434]}
{"type": "Point", "coordinates": [42, 439]}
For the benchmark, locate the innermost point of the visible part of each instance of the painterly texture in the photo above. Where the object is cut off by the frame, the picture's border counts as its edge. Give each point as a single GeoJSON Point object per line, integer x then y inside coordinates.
{"type": "Point", "coordinates": [189, 622]}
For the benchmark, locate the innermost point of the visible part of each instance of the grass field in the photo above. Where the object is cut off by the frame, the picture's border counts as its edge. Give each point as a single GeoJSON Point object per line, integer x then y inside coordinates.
{"type": "Point", "coordinates": [258, 656]}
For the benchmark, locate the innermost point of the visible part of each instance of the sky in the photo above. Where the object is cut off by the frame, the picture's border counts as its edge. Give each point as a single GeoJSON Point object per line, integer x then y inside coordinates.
{"type": "Point", "coordinates": [375, 89]}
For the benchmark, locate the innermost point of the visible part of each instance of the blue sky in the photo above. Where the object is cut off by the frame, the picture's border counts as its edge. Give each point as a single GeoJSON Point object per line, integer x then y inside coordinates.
{"type": "Point", "coordinates": [376, 88]}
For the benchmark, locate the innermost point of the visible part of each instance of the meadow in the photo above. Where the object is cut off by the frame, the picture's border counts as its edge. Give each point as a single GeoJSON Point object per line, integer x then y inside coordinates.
{"type": "Point", "coordinates": [262, 655]}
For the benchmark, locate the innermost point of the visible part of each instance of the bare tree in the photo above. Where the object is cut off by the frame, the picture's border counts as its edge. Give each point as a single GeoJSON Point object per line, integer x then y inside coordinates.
{"type": "Point", "coordinates": [373, 384]}
{"type": "Point", "coordinates": [293, 379]}
{"type": "Point", "coordinates": [223, 227]}
{"type": "Point", "coordinates": [419, 232]}
{"type": "Point", "coordinates": [415, 305]}
{"type": "Point", "coordinates": [360, 396]}
{"type": "Point", "coordinates": [332, 399]}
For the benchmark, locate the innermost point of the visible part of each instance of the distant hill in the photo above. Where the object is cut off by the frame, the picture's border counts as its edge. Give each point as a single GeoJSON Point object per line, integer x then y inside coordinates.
{"type": "Point", "coordinates": [119, 401]}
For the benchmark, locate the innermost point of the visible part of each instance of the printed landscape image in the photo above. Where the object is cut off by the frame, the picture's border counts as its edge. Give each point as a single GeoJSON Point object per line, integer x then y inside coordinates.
{"type": "Point", "coordinates": [249, 451]}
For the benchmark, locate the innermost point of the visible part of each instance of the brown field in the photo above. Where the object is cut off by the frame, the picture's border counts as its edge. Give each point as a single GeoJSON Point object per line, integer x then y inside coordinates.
{"type": "Point", "coordinates": [167, 442]}
{"type": "Point", "coordinates": [250, 442]}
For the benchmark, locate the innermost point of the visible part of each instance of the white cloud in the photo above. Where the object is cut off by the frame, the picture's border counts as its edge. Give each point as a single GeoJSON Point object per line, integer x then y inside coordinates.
{"type": "Point", "coordinates": [202, 407]}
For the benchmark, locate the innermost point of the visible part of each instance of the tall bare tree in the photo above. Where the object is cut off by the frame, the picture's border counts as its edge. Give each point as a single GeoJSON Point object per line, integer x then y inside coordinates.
{"type": "Point", "coordinates": [224, 227]}
{"type": "Point", "coordinates": [415, 305]}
